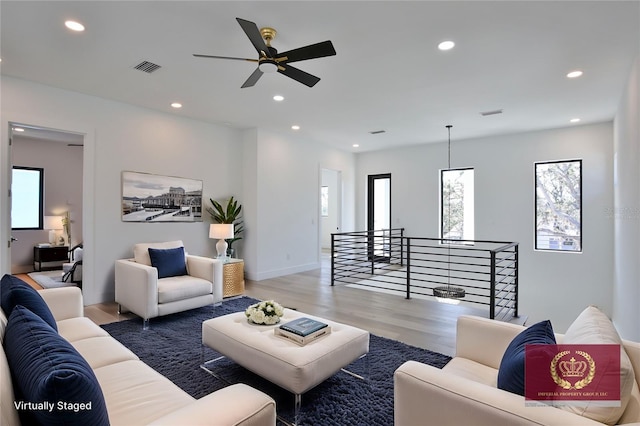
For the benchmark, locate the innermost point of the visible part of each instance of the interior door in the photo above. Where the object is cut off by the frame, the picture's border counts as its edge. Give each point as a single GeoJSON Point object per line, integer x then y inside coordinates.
{"type": "Point", "coordinates": [379, 217]}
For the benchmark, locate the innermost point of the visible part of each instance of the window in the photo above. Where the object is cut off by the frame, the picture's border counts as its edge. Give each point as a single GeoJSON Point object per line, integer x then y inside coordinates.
{"type": "Point", "coordinates": [559, 206]}
{"type": "Point", "coordinates": [457, 204]}
{"type": "Point", "coordinates": [27, 184]}
{"type": "Point", "coordinates": [324, 200]}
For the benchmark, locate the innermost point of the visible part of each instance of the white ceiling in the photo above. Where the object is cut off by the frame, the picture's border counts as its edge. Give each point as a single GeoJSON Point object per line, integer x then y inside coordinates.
{"type": "Point", "coordinates": [387, 75]}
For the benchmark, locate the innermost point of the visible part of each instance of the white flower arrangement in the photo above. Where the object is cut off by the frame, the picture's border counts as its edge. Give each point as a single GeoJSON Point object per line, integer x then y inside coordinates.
{"type": "Point", "coordinates": [267, 312]}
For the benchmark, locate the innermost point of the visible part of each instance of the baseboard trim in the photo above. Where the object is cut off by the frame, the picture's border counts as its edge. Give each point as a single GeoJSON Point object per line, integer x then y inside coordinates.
{"type": "Point", "coordinates": [265, 275]}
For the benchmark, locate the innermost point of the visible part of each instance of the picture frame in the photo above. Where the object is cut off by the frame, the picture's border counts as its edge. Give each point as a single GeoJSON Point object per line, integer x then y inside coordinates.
{"type": "Point", "coordinates": [150, 198]}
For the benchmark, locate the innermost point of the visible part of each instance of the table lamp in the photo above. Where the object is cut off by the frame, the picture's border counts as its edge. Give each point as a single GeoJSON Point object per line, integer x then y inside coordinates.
{"type": "Point", "coordinates": [53, 224]}
{"type": "Point", "coordinates": [221, 232]}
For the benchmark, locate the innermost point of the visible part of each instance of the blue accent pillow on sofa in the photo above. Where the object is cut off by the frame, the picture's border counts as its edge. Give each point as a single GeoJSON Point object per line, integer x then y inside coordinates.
{"type": "Point", "coordinates": [511, 371]}
{"type": "Point", "coordinates": [46, 369]}
{"type": "Point", "coordinates": [169, 262]}
{"type": "Point", "coordinates": [14, 291]}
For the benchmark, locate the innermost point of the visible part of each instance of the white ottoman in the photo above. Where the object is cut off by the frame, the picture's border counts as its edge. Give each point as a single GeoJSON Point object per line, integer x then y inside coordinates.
{"type": "Point", "coordinates": [292, 367]}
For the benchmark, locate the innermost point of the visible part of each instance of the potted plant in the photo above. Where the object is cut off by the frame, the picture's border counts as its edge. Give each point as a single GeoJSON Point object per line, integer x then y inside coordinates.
{"type": "Point", "coordinates": [228, 214]}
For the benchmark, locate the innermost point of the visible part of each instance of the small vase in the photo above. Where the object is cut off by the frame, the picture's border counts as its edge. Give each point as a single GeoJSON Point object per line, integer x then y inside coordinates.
{"type": "Point", "coordinates": [231, 252]}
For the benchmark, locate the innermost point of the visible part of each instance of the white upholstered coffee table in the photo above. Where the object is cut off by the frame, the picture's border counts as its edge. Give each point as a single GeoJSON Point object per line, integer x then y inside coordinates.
{"type": "Point", "coordinates": [292, 367]}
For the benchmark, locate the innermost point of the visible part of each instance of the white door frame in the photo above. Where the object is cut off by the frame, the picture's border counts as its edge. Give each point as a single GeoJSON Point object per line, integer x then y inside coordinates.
{"type": "Point", "coordinates": [335, 198]}
{"type": "Point", "coordinates": [88, 198]}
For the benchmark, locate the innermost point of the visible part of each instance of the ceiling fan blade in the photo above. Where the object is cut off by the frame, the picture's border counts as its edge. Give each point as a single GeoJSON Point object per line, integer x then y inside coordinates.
{"type": "Point", "coordinates": [318, 50]}
{"type": "Point", "coordinates": [298, 75]}
{"type": "Point", "coordinates": [252, 31]}
{"type": "Point", "coordinates": [253, 78]}
{"type": "Point", "coordinates": [224, 57]}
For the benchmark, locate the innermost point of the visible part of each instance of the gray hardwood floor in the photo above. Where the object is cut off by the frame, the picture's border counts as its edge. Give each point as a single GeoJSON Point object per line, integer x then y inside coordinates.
{"type": "Point", "coordinates": [423, 323]}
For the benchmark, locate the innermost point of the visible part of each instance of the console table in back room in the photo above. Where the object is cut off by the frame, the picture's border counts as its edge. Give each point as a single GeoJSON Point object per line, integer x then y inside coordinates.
{"type": "Point", "coordinates": [53, 256]}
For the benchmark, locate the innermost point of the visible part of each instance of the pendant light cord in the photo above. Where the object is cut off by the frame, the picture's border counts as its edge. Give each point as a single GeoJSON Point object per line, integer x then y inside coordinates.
{"type": "Point", "coordinates": [449, 126]}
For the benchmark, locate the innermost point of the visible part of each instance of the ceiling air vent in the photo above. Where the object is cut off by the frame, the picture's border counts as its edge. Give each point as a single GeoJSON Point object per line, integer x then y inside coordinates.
{"type": "Point", "coordinates": [494, 112]}
{"type": "Point", "coordinates": [147, 67]}
{"type": "Point", "coordinates": [377, 132]}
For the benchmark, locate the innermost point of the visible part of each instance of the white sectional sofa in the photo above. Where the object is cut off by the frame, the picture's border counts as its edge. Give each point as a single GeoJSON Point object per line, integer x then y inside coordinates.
{"type": "Point", "coordinates": [134, 393]}
{"type": "Point", "coordinates": [465, 390]}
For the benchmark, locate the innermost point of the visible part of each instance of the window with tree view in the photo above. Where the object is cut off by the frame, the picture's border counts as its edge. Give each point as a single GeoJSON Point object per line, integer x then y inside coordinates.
{"type": "Point", "coordinates": [559, 206]}
{"type": "Point", "coordinates": [457, 204]}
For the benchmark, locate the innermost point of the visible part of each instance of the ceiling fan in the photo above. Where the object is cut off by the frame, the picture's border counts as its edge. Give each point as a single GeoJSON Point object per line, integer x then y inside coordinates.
{"type": "Point", "coordinates": [269, 60]}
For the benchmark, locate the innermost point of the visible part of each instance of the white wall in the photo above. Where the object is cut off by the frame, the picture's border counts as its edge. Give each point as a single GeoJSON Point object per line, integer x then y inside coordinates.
{"type": "Point", "coordinates": [275, 177]}
{"type": "Point", "coordinates": [285, 230]}
{"type": "Point", "coordinates": [122, 137]}
{"type": "Point", "coordinates": [557, 286]}
{"type": "Point", "coordinates": [62, 166]}
{"type": "Point", "coordinates": [626, 211]}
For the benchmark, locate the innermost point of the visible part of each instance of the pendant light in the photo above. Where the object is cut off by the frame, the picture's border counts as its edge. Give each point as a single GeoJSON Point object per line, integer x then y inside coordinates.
{"type": "Point", "coordinates": [448, 294]}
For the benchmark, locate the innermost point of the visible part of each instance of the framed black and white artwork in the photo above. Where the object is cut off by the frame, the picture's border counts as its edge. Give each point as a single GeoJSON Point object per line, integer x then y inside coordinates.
{"type": "Point", "coordinates": [155, 198]}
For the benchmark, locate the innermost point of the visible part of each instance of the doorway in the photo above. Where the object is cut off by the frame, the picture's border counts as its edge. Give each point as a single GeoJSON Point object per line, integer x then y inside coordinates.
{"type": "Point", "coordinates": [379, 217]}
{"type": "Point", "coordinates": [60, 155]}
{"type": "Point", "coordinates": [330, 207]}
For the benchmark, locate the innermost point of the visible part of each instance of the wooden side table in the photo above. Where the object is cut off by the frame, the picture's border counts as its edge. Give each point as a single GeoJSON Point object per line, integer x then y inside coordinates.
{"type": "Point", "coordinates": [233, 278]}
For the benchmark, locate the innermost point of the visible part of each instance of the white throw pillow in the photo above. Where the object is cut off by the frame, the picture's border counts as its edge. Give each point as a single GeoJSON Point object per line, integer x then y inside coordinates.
{"type": "Point", "coordinates": [593, 327]}
{"type": "Point", "coordinates": [141, 250]}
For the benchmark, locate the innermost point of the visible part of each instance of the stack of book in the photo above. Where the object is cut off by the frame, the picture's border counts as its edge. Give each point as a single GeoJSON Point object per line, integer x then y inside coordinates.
{"type": "Point", "coordinates": [302, 330]}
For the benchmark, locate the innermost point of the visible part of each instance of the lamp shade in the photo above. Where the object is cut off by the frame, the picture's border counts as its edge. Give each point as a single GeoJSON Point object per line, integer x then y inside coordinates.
{"type": "Point", "coordinates": [52, 222]}
{"type": "Point", "coordinates": [221, 231]}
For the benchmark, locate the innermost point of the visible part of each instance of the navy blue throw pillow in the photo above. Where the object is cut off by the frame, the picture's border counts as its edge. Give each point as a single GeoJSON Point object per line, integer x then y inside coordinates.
{"type": "Point", "coordinates": [169, 262]}
{"type": "Point", "coordinates": [14, 291]}
{"type": "Point", "coordinates": [511, 372]}
{"type": "Point", "coordinates": [53, 383]}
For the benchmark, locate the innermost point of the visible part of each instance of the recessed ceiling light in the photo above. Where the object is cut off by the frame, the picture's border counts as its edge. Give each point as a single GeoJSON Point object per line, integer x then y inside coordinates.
{"type": "Point", "coordinates": [18, 129]}
{"type": "Point", "coordinates": [446, 45]}
{"type": "Point", "coordinates": [574, 74]}
{"type": "Point", "coordinates": [355, 145]}
{"type": "Point", "coordinates": [575, 120]}
{"type": "Point", "coordinates": [74, 26]}
{"type": "Point", "coordinates": [278, 98]}
{"type": "Point", "coordinates": [295, 127]}
{"type": "Point", "coordinates": [176, 105]}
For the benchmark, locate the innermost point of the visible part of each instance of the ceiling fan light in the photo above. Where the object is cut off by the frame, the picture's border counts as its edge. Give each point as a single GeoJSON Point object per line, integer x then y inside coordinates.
{"type": "Point", "coordinates": [268, 66]}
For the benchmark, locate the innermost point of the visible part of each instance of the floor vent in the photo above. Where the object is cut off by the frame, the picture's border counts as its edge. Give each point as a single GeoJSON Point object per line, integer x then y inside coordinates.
{"type": "Point", "coordinates": [147, 67]}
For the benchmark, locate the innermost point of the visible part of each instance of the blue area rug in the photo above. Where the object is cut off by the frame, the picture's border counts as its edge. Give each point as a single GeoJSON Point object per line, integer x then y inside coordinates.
{"type": "Point", "coordinates": [173, 347]}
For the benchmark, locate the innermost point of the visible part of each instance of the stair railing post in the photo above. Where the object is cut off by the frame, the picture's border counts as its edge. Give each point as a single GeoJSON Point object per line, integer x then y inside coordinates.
{"type": "Point", "coordinates": [372, 250]}
{"type": "Point", "coordinates": [408, 296]}
{"type": "Point", "coordinates": [515, 310]}
{"type": "Point", "coordinates": [492, 286]}
{"type": "Point", "coordinates": [333, 257]}
{"type": "Point", "coordinates": [401, 246]}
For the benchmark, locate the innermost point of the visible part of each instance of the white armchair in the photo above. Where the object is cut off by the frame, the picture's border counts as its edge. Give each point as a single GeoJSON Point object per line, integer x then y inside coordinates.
{"type": "Point", "coordinates": [139, 290]}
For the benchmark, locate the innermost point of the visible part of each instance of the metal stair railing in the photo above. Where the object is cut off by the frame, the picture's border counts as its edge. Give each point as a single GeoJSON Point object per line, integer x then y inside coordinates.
{"type": "Point", "coordinates": [389, 261]}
